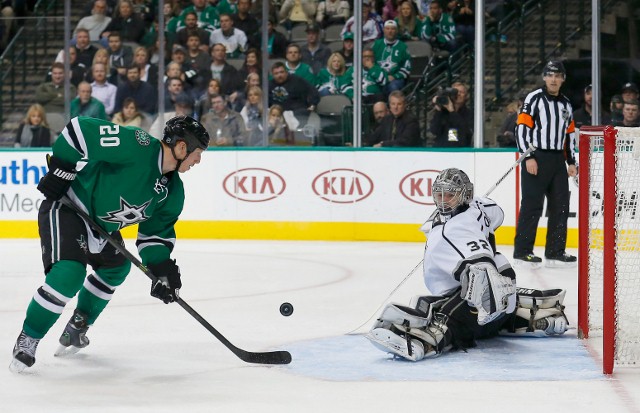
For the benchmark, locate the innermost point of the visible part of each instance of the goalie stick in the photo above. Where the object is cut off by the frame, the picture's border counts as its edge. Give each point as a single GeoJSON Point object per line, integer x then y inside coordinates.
{"type": "Point", "coordinates": [270, 357]}
{"type": "Point", "coordinates": [431, 218]}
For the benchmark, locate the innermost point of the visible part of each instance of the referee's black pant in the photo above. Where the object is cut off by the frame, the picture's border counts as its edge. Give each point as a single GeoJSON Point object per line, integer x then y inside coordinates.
{"type": "Point", "coordinates": [550, 182]}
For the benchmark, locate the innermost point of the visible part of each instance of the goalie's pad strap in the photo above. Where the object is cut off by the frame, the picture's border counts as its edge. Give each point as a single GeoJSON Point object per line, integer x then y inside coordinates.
{"type": "Point", "coordinates": [409, 317]}
{"type": "Point", "coordinates": [532, 298]}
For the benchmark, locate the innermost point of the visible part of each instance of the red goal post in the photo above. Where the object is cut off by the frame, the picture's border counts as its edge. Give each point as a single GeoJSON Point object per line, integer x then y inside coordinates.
{"type": "Point", "coordinates": [609, 242]}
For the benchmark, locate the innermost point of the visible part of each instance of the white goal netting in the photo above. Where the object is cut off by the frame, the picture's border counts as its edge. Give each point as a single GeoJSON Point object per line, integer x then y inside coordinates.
{"type": "Point", "coordinates": [624, 220]}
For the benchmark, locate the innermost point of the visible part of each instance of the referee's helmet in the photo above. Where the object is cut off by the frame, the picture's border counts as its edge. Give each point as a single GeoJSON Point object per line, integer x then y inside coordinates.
{"type": "Point", "coordinates": [554, 66]}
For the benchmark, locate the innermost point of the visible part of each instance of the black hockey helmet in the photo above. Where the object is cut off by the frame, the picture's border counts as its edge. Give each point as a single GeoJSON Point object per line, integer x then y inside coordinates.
{"type": "Point", "coordinates": [187, 129]}
{"type": "Point", "coordinates": [554, 66]}
{"type": "Point", "coordinates": [459, 189]}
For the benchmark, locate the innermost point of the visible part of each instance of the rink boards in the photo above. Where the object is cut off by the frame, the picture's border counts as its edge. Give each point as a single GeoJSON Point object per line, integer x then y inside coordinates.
{"type": "Point", "coordinates": [307, 194]}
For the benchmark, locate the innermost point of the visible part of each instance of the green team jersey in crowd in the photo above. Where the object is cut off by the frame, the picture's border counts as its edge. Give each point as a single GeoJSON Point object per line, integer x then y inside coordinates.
{"type": "Point", "coordinates": [337, 85]}
{"type": "Point", "coordinates": [393, 58]}
{"type": "Point", "coordinates": [208, 18]}
{"type": "Point", "coordinates": [373, 80]}
{"type": "Point", "coordinates": [304, 71]}
{"type": "Point", "coordinates": [224, 7]}
{"type": "Point", "coordinates": [404, 33]}
{"type": "Point", "coordinates": [120, 182]}
{"type": "Point", "coordinates": [444, 30]}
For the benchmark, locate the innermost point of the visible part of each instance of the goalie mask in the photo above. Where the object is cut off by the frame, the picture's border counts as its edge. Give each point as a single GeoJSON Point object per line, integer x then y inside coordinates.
{"type": "Point", "coordinates": [451, 190]}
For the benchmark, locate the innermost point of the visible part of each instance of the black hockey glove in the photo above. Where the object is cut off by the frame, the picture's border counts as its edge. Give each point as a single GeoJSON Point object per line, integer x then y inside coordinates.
{"type": "Point", "coordinates": [167, 286]}
{"type": "Point", "coordinates": [58, 180]}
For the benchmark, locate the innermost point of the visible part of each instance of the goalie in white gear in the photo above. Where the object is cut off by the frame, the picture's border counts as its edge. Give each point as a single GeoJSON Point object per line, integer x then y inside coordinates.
{"type": "Point", "coordinates": [473, 285]}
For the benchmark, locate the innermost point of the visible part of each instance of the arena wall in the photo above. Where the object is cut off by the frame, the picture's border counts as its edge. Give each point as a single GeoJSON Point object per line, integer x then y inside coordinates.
{"type": "Point", "coordinates": [299, 194]}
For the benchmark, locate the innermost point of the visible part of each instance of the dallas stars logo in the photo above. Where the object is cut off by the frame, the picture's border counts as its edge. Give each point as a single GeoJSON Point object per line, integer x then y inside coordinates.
{"type": "Point", "coordinates": [82, 243]}
{"type": "Point", "coordinates": [127, 214]}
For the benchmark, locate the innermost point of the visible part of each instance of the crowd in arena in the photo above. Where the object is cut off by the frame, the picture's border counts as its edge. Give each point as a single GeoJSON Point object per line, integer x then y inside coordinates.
{"type": "Point", "coordinates": [214, 68]}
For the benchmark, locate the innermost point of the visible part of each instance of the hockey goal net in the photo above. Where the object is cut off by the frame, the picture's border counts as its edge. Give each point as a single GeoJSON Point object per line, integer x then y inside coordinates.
{"type": "Point", "coordinates": [609, 254]}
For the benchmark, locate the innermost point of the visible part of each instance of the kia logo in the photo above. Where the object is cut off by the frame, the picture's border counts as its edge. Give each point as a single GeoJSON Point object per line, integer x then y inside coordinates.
{"type": "Point", "coordinates": [254, 185]}
{"type": "Point", "coordinates": [416, 186]}
{"type": "Point", "coordinates": [342, 186]}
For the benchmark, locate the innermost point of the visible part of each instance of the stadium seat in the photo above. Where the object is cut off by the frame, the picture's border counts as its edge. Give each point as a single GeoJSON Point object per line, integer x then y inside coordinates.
{"type": "Point", "coordinates": [237, 63]}
{"type": "Point", "coordinates": [332, 33]}
{"type": "Point", "coordinates": [330, 110]}
{"type": "Point", "coordinates": [419, 48]}
{"type": "Point", "coordinates": [335, 46]}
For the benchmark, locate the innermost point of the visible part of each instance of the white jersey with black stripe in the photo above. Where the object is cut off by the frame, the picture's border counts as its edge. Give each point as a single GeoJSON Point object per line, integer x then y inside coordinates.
{"type": "Point", "coordinates": [462, 240]}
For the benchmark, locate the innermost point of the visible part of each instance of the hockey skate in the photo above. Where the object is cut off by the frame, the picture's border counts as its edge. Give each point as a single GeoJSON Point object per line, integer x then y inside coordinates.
{"type": "Point", "coordinates": [527, 261]}
{"type": "Point", "coordinates": [24, 352]}
{"type": "Point", "coordinates": [74, 337]}
{"type": "Point", "coordinates": [390, 342]}
{"type": "Point", "coordinates": [561, 261]}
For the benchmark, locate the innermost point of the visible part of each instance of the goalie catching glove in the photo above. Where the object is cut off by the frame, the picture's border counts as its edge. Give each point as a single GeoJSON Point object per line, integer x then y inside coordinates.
{"type": "Point", "coordinates": [57, 181]}
{"type": "Point", "coordinates": [167, 285]}
{"type": "Point", "coordinates": [491, 293]}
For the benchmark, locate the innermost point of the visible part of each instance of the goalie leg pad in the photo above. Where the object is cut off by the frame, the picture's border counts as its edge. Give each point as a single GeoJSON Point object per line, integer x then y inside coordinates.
{"type": "Point", "coordinates": [401, 315]}
{"type": "Point", "coordinates": [491, 293]}
{"type": "Point", "coordinates": [539, 314]}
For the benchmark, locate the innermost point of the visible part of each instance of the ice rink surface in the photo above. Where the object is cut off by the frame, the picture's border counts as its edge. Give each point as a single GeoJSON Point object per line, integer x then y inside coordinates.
{"type": "Point", "coordinates": [149, 357]}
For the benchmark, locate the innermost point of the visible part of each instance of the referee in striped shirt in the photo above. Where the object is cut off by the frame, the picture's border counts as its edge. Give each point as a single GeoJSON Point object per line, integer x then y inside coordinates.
{"type": "Point", "coordinates": [546, 123]}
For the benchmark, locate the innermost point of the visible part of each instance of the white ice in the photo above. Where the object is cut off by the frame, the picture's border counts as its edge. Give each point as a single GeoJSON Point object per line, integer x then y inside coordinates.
{"type": "Point", "coordinates": [149, 357]}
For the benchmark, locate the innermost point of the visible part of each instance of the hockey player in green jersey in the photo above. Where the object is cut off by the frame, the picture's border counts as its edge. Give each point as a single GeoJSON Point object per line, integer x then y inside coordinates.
{"type": "Point", "coordinates": [119, 176]}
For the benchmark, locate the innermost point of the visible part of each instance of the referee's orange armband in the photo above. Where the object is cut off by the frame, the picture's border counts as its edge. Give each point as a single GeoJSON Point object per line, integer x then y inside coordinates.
{"type": "Point", "coordinates": [525, 119]}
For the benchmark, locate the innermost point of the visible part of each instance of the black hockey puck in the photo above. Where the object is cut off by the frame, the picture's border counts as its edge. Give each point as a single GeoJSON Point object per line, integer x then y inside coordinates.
{"type": "Point", "coordinates": [286, 309]}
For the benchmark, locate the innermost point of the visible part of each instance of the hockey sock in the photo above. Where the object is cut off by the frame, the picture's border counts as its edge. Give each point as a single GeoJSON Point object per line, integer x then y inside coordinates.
{"type": "Point", "coordinates": [98, 290]}
{"type": "Point", "coordinates": [62, 283]}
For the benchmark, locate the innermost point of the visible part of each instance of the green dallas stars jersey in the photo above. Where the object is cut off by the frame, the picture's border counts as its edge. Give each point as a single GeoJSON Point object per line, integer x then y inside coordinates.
{"type": "Point", "coordinates": [393, 58]}
{"type": "Point", "coordinates": [120, 182]}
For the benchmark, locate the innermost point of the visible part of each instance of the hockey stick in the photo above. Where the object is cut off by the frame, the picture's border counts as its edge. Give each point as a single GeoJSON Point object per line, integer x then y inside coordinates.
{"type": "Point", "coordinates": [271, 357]}
{"type": "Point", "coordinates": [431, 218]}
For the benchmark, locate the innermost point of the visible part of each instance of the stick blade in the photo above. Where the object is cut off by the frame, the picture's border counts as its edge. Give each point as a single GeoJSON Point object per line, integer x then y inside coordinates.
{"type": "Point", "coordinates": [271, 357]}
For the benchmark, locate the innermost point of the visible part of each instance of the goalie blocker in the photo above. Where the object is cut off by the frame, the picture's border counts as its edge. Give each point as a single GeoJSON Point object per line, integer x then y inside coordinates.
{"type": "Point", "coordinates": [429, 327]}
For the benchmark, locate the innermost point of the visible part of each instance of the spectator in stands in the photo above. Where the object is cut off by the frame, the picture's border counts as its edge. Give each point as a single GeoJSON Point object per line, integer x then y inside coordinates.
{"type": "Point", "coordinates": [145, 9]}
{"type": "Point", "coordinates": [506, 134]}
{"type": "Point", "coordinates": [347, 49]}
{"type": "Point", "coordinates": [294, 12]}
{"type": "Point", "coordinates": [332, 12]}
{"type": "Point", "coordinates": [129, 116]}
{"type": "Point", "coordinates": [332, 79]}
{"type": "Point", "coordinates": [130, 25]}
{"type": "Point", "coordinates": [6, 22]}
{"type": "Point", "coordinates": [629, 92]}
{"type": "Point", "coordinates": [120, 56]}
{"type": "Point", "coordinates": [33, 130]}
{"type": "Point", "coordinates": [252, 63]}
{"type": "Point", "coordinates": [409, 25]}
{"type": "Point", "coordinates": [439, 29]}
{"type": "Point", "coordinates": [393, 57]}
{"type": "Point", "coordinates": [101, 89]}
{"type": "Point", "coordinates": [616, 109]}
{"type": "Point", "coordinates": [174, 88]}
{"type": "Point", "coordinates": [171, 18]}
{"type": "Point", "coordinates": [296, 66]}
{"type": "Point", "coordinates": [371, 24]}
{"type": "Point", "coordinates": [196, 66]}
{"type": "Point", "coordinates": [148, 71]}
{"type": "Point", "coordinates": [380, 110]}
{"type": "Point", "coordinates": [208, 16]}
{"type": "Point", "coordinates": [225, 127]}
{"type": "Point", "coordinates": [183, 106]}
{"type": "Point", "coordinates": [78, 70]}
{"type": "Point", "coordinates": [630, 114]}
{"type": "Point", "coordinates": [230, 81]}
{"type": "Point", "coordinates": [203, 104]}
{"type": "Point", "coordinates": [279, 132]}
{"type": "Point", "coordinates": [228, 6]}
{"type": "Point", "coordinates": [51, 94]}
{"type": "Point", "coordinates": [464, 17]}
{"type": "Point", "coordinates": [292, 92]}
{"type": "Point", "coordinates": [389, 10]}
{"type": "Point", "coordinates": [97, 22]}
{"type": "Point", "coordinates": [277, 43]}
{"type": "Point", "coordinates": [314, 53]}
{"type": "Point", "coordinates": [399, 128]}
{"type": "Point", "coordinates": [142, 92]}
{"type": "Point", "coordinates": [252, 115]}
{"type": "Point", "coordinates": [86, 105]}
{"type": "Point", "coordinates": [374, 79]}
{"type": "Point", "coordinates": [112, 76]}
{"type": "Point", "coordinates": [422, 7]}
{"type": "Point", "coordinates": [234, 40]}
{"type": "Point", "coordinates": [191, 28]}
{"type": "Point", "coordinates": [582, 116]}
{"type": "Point", "coordinates": [245, 21]}
{"type": "Point", "coordinates": [452, 122]}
